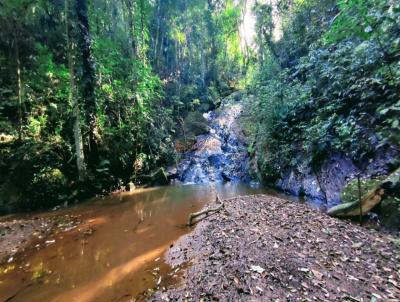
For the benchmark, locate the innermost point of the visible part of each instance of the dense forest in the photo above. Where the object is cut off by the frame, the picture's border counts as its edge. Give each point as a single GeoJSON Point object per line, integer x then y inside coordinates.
{"type": "Point", "coordinates": [329, 85]}
{"type": "Point", "coordinates": [93, 93]}
{"type": "Point", "coordinates": [199, 150]}
{"type": "Point", "coordinates": [97, 94]}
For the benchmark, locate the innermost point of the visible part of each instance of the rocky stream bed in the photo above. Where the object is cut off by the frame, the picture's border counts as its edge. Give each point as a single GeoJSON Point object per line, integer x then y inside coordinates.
{"type": "Point", "coordinates": [221, 154]}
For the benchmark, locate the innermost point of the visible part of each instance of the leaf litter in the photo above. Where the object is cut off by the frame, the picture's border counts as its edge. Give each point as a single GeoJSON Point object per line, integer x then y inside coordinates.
{"type": "Point", "coordinates": [262, 248]}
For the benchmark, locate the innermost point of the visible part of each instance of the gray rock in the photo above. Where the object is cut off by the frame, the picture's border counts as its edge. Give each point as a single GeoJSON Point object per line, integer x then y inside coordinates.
{"type": "Point", "coordinates": [328, 182]}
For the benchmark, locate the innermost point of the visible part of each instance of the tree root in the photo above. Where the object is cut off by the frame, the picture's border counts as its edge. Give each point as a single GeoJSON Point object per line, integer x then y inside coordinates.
{"type": "Point", "coordinates": [206, 211]}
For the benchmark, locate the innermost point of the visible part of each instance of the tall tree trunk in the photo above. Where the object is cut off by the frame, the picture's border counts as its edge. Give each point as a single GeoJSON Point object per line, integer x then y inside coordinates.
{"type": "Point", "coordinates": [142, 46]}
{"type": "Point", "coordinates": [19, 80]}
{"type": "Point", "coordinates": [212, 33]}
{"type": "Point", "coordinates": [88, 77]}
{"type": "Point", "coordinates": [244, 38]}
{"type": "Point", "coordinates": [157, 37]}
{"type": "Point", "coordinates": [203, 66]}
{"type": "Point", "coordinates": [80, 158]}
{"type": "Point", "coordinates": [114, 19]}
{"type": "Point", "coordinates": [132, 42]}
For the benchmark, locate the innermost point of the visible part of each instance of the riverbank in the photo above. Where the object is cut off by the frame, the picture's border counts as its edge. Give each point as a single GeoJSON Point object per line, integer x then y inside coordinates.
{"type": "Point", "coordinates": [19, 231]}
{"type": "Point", "coordinates": [262, 248]}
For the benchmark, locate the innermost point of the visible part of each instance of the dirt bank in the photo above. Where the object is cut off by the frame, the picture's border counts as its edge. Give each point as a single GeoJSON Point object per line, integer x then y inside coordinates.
{"type": "Point", "coordinates": [18, 232]}
{"type": "Point", "coordinates": [262, 248]}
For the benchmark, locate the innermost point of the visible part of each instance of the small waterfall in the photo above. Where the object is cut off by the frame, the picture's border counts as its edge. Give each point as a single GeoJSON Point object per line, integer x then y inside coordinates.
{"type": "Point", "coordinates": [219, 155]}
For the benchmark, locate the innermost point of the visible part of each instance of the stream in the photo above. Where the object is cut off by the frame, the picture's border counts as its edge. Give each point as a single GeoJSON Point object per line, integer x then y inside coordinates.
{"type": "Point", "coordinates": [115, 254]}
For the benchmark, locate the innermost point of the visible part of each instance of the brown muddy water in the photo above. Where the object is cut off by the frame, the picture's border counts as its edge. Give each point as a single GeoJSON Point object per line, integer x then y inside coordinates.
{"type": "Point", "coordinates": [116, 253]}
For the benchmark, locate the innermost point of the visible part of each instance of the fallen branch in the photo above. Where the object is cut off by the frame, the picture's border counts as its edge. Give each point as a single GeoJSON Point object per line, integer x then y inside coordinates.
{"type": "Point", "coordinates": [205, 211]}
{"type": "Point", "coordinates": [390, 184]}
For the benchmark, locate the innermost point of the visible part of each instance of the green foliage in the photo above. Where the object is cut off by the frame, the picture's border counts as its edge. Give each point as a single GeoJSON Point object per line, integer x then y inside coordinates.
{"type": "Point", "coordinates": [356, 19]}
{"type": "Point", "coordinates": [38, 170]}
{"type": "Point", "coordinates": [133, 118]}
{"type": "Point", "coordinates": [336, 94]}
{"type": "Point", "coordinates": [197, 50]}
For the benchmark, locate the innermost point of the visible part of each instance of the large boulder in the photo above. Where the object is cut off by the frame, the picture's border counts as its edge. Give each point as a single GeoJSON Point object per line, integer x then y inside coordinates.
{"type": "Point", "coordinates": [324, 184]}
{"type": "Point", "coordinates": [390, 212]}
{"type": "Point", "coordinates": [207, 146]}
{"type": "Point", "coordinates": [375, 191]}
{"type": "Point", "coordinates": [195, 124]}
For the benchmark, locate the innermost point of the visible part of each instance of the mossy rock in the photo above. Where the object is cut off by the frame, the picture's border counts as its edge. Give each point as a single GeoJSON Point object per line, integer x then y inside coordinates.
{"type": "Point", "coordinates": [390, 212]}
{"type": "Point", "coordinates": [375, 190]}
{"type": "Point", "coordinates": [350, 191]}
{"type": "Point", "coordinates": [195, 124]}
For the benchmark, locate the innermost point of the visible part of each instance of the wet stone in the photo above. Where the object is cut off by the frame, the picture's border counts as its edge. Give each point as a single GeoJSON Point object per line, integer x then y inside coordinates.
{"type": "Point", "coordinates": [219, 155]}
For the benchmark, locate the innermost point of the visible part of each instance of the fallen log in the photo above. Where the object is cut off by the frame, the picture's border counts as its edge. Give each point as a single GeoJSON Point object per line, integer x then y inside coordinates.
{"type": "Point", "coordinates": [369, 200]}
{"type": "Point", "coordinates": [206, 211]}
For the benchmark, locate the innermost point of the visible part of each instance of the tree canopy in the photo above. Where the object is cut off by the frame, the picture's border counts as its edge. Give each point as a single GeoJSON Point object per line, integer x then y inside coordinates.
{"type": "Point", "coordinates": [97, 93]}
{"type": "Point", "coordinates": [91, 90]}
